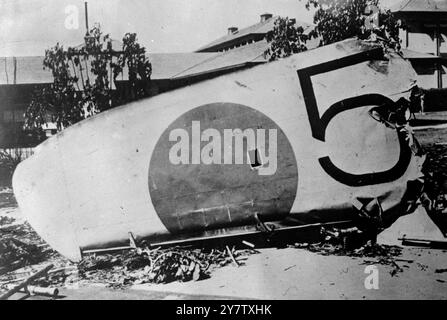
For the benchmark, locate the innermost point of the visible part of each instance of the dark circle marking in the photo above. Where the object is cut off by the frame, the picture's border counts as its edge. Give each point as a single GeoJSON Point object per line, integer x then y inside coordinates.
{"type": "Point", "coordinates": [194, 197]}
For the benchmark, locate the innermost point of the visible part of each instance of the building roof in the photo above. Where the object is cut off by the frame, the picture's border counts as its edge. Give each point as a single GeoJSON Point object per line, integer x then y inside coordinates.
{"type": "Point", "coordinates": [411, 54]}
{"type": "Point", "coordinates": [260, 28]}
{"type": "Point", "coordinates": [249, 54]}
{"type": "Point", "coordinates": [246, 55]}
{"type": "Point", "coordinates": [167, 65]}
{"type": "Point", "coordinates": [421, 6]}
{"type": "Point", "coordinates": [29, 70]}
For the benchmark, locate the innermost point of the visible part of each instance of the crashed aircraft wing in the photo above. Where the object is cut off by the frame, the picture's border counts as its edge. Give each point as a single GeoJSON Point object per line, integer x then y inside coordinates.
{"type": "Point", "coordinates": [291, 139]}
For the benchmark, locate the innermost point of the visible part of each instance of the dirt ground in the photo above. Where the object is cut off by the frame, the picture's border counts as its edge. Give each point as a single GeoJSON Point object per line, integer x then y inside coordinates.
{"type": "Point", "coordinates": [299, 274]}
{"type": "Point", "coordinates": [287, 273]}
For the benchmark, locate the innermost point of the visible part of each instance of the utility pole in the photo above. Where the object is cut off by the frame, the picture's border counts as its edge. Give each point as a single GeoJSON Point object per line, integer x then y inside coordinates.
{"type": "Point", "coordinates": [86, 17]}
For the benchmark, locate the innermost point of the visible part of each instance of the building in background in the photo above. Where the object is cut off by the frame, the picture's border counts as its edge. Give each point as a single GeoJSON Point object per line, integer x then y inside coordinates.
{"type": "Point", "coordinates": [423, 43]}
{"type": "Point", "coordinates": [252, 35]}
{"type": "Point", "coordinates": [19, 77]}
{"type": "Point", "coordinates": [239, 49]}
{"type": "Point", "coordinates": [424, 39]}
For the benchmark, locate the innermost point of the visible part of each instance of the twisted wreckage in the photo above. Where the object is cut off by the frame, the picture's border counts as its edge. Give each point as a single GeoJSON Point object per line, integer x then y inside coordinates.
{"type": "Point", "coordinates": [319, 137]}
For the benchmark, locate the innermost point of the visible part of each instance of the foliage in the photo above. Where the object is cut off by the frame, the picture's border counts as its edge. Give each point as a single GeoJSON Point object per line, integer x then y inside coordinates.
{"type": "Point", "coordinates": [84, 78]}
{"type": "Point", "coordinates": [140, 69]}
{"type": "Point", "coordinates": [336, 20]}
{"type": "Point", "coordinates": [285, 39]}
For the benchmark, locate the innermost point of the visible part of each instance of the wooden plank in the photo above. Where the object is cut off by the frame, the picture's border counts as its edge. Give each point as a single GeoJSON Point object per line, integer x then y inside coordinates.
{"type": "Point", "coordinates": [35, 276]}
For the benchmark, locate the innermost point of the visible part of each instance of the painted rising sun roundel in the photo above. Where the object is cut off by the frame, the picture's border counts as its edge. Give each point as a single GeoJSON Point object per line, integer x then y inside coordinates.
{"type": "Point", "coordinates": [218, 165]}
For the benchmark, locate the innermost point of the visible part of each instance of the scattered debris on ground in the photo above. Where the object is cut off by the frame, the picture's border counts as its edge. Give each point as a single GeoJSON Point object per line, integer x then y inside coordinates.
{"type": "Point", "coordinates": [156, 266]}
{"type": "Point", "coordinates": [4, 220]}
{"type": "Point", "coordinates": [435, 166]}
{"type": "Point", "coordinates": [435, 184]}
{"type": "Point", "coordinates": [7, 199]}
{"type": "Point", "coordinates": [20, 246]}
{"type": "Point", "coordinates": [340, 244]}
{"type": "Point", "coordinates": [22, 250]}
{"type": "Point", "coordinates": [25, 287]}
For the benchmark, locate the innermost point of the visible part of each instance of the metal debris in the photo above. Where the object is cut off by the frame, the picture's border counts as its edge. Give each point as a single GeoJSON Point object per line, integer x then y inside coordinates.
{"type": "Point", "coordinates": [440, 270]}
{"type": "Point", "coordinates": [6, 220]}
{"type": "Point", "coordinates": [424, 243]}
{"type": "Point", "coordinates": [435, 176]}
{"type": "Point", "coordinates": [37, 291]}
{"type": "Point", "coordinates": [143, 265]}
{"type": "Point", "coordinates": [351, 243]}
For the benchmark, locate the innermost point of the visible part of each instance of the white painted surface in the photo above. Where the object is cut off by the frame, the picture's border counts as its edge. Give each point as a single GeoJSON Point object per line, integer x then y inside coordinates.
{"type": "Point", "coordinates": [88, 186]}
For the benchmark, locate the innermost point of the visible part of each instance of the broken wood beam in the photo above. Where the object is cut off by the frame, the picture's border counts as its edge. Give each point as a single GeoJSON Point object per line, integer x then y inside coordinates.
{"type": "Point", "coordinates": [232, 256]}
{"type": "Point", "coordinates": [24, 284]}
{"type": "Point", "coordinates": [89, 251]}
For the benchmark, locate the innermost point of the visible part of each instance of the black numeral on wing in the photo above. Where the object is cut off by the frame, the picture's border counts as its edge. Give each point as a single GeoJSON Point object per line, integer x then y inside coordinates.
{"type": "Point", "coordinates": [319, 123]}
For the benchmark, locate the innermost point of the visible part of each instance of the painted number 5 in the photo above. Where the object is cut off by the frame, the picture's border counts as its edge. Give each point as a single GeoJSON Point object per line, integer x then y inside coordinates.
{"type": "Point", "coordinates": [319, 123]}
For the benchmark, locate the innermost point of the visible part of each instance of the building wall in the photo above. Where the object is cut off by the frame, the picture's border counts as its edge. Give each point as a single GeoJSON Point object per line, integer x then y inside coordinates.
{"type": "Point", "coordinates": [418, 39]}
{"type": "Point", "coordinates": [444, 75]}
{"type": "Point", "coordinates": [426, 71]}
{"type": "Point", "coordinates": [14, 100]}
{"type": "Point", "coordinates": [422, 37]}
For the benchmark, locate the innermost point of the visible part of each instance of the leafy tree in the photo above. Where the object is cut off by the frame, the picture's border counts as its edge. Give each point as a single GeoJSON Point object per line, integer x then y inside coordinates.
{"type": "Point", "coordinates": [84, 78]}
{"type": "Point", "coordinates": [336, 20]}
{"type": "Point", "coordinates": [285, 39]}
